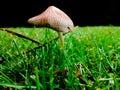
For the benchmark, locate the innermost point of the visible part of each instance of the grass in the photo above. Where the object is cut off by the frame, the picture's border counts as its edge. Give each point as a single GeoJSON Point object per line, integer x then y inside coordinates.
{"type": "Point", "coordinates": [90, 59]}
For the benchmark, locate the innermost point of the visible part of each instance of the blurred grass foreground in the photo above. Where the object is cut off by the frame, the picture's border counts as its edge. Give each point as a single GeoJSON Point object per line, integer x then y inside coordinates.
{"type": "Point", "coordinates": [90, 59]}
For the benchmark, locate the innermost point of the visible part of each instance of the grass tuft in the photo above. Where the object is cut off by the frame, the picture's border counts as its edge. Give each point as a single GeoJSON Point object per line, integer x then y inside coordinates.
{"type": "Point", "coordinates": [90, 59]}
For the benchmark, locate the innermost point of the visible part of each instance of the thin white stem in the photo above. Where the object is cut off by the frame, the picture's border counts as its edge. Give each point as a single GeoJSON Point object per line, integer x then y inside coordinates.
{"type": "Point", "coordinates": [61, 39]}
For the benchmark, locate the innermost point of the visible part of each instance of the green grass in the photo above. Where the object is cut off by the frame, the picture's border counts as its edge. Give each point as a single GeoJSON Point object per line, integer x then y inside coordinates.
{"type": "Point", "coordinates": [90, 59]}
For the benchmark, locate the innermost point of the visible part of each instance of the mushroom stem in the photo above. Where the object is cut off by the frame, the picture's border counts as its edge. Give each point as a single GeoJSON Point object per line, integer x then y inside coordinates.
{"type": "Point", "coordinates": [61, 39]}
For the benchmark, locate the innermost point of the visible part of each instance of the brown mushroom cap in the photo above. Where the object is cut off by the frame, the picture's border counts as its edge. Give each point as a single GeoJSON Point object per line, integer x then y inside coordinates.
{"type": "Point", "coordinates": [54, 18]}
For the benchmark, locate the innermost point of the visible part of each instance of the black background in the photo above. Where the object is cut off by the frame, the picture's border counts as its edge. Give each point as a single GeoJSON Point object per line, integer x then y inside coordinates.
{"type": "Point", "coordinates": [82, 12]}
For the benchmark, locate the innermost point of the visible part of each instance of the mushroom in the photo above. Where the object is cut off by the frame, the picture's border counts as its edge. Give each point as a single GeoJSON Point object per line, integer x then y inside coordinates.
{"type": "Point", "coordinates": [56, 19]}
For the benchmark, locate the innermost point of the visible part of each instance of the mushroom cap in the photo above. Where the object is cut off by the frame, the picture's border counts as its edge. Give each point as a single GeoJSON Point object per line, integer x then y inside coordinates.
{"type": "Point", "coordinates": [54, 18]}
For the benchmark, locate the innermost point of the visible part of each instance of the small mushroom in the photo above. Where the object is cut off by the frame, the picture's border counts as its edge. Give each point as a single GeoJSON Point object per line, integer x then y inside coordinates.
{"type": "Point", "coordinates": [54, 18]}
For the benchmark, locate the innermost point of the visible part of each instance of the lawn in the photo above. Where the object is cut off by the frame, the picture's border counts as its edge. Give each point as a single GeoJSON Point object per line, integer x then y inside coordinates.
{"type": "Point", "coordinates": [89, 60]}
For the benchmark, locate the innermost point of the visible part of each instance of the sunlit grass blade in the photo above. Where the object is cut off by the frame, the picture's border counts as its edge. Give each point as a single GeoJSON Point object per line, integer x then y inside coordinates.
{"type": "Point", "coordinates": [38, 84]}
{"type": "Point", "coordinates": [16, 86]}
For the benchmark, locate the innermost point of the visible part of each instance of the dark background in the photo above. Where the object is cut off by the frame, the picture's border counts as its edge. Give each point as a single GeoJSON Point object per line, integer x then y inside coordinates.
{"type": "Point", "coordinates": [82, 12]}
